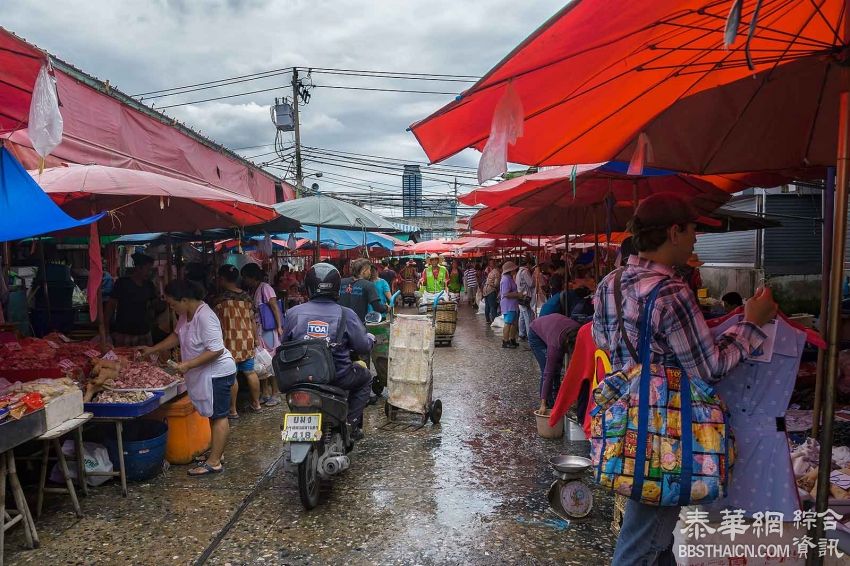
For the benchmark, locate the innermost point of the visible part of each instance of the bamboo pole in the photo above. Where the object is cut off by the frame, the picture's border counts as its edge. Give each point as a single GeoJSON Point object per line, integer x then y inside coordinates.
{"type": "Point", "coordinates": [834, 311]}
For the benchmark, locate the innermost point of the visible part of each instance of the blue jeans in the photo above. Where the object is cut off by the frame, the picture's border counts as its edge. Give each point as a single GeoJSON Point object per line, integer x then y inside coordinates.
{"type": "Point", "coordinates": [646, 537]}
{"type": "Point", "coordinates": [538, 348]}
{"type": "Point", "coordinates": [526, 316]}
{"type": "Point", "coordinates": [491, 306]}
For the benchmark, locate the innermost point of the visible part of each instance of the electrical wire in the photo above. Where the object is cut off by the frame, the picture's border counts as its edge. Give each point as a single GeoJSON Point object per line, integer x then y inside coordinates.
{"type": "Point", "coordinates": [216, 83]}
{"type": "Point", "coordinates": [223, 97]}
{"type": "Point", "coordinates": [462, 169]}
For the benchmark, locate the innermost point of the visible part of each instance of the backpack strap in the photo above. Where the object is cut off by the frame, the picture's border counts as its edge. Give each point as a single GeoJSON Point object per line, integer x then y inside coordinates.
{"type": "Point", "coordinates": [618, 300]}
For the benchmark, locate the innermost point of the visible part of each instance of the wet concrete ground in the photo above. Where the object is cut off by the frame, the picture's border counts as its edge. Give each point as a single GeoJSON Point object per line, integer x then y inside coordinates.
{"type": "Point", "coordinates": [469, 491]}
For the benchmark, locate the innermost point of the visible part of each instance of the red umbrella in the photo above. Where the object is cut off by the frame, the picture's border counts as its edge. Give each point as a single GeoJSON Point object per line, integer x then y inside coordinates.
{"type": "Point", "coordinates": [598, 74]}
{"type": "Point", "coordinates": [583, 185]}
{"type": "Point", "coordinates": [431, 247]}
{"type": "Point", "coordinates": [141, 202]}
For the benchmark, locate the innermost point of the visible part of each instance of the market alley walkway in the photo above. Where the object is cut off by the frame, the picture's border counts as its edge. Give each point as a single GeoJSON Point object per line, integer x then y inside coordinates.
{"type": "Point", "coordinates": [472, 490]}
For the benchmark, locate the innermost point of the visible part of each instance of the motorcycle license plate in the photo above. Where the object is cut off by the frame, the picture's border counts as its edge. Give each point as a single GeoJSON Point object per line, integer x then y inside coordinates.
{"type": "Point", "coordinates": [302, 427]}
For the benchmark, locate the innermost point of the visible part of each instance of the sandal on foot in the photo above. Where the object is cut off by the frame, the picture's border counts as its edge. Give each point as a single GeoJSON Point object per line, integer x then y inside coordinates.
{"type": "Point", "coordinates": [233, 416]}
{"type": "Point", "coordinates": [203, 458]}
{"type": "Point", "coordinates": [205, 470]}
{"type": "Point", "coordinates": [255, 409]}
{"type": "Point", "coordinates": [272, 402]}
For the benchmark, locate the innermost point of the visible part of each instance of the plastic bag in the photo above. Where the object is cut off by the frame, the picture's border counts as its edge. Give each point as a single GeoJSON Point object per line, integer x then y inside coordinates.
{"type": "Point", "coordinates": [262, 362]}
{"type": "Point", "coordinates": [482, 307]}
{"type": "Point", "coordinates": [96, 459]}
{"type": "Point", "coordinates": [498, 322]}
{"type": "Point", "coordinates": [45, 121]}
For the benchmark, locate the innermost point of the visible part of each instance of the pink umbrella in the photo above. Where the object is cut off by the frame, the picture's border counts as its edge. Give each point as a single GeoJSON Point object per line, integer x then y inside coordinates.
{"type": "Point", "coordinates": [139, 201]}
{"type": "Point", "coordinates": [432, 247]}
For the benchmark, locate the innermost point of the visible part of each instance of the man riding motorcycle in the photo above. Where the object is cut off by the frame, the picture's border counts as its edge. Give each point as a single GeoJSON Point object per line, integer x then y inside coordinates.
{"type": "Point", "coordinates": [320, 317]}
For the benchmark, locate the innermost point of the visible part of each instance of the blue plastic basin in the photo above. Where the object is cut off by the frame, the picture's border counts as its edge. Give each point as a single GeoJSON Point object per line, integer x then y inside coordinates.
{"type": "Point", "coordinates": [144, 448]}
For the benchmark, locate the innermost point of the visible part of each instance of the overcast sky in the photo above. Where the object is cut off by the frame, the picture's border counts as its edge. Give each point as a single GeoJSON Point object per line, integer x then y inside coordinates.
{"type": "Point", "coordinates": [158, 44]}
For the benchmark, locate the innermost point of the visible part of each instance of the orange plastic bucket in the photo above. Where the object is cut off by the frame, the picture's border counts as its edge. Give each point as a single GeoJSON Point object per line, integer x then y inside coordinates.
{"type": "Point", "coordinates": [188, 432]}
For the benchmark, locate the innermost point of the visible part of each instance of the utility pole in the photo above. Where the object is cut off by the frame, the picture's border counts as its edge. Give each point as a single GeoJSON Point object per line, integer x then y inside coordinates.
{"type": "Point", "coordinates": [299, 176]}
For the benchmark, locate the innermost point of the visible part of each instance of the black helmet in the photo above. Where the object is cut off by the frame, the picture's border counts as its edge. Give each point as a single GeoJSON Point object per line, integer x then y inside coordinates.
{"type": "Point", "coordinates": [322, 280]}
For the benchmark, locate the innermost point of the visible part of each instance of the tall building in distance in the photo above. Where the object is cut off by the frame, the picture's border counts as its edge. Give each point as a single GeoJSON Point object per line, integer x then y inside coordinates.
{"type": "Point", "coordinates": [411, 191]}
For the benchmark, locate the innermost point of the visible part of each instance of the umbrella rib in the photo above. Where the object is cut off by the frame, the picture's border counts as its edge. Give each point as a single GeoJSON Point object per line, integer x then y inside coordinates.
{"type": "Point", "coordinates": [752, 98]}
{"type": "Point", "coordinates": [836, 35]}
{"type": "Point", "coordinates": [817, 111]}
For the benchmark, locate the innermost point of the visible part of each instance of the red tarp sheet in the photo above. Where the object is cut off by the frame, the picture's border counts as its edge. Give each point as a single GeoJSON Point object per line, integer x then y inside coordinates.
{"type": "Point", "coordinates": [100, 129]}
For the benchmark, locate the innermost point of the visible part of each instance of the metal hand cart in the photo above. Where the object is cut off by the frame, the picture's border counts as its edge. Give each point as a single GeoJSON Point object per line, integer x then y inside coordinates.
{"type": "Point", "coordinates": [410, 376]}
{"type": "Point", "coordinates": [381, 349]}
{"type": "Point", "coordinates": [445, 318]}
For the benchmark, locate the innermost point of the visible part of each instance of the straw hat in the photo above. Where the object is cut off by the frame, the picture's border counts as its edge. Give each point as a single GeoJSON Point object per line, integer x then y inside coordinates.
{"type": "Point", "coordinates": [694, 261]}
{"type": "Point", "coordinates": [433, 256]}
{"type": "Point", "coordinates": [509, 266]}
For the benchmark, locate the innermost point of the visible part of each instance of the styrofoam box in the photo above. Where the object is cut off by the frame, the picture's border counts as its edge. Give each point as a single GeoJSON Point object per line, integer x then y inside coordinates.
{"type": "Point", "coordinates": [64, 408]}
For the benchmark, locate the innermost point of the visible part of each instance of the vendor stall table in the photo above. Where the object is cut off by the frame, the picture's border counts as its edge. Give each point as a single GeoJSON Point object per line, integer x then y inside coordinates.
{"type": "Point", "coordinates": [22, 514]}
{"type": "Point", "coordinates": [51, 438]}
{"type": "Point", "coordinates": [118, 421]}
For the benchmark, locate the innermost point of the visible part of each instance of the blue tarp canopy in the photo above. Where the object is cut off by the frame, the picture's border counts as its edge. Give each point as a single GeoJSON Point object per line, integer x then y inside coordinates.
{"type": "Point", "coordinates": [342, 239]}
{"type": "Point", "coordinates": [25, 208]}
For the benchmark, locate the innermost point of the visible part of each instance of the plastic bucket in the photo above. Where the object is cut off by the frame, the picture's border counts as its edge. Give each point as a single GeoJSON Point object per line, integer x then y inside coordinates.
{"type": "Point", "coordinates": [144, 448]}
{"type": "Point", "coordinates": [546, 431]}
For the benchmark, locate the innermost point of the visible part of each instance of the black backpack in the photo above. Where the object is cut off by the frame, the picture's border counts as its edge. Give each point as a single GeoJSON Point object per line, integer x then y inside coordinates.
{"type": "Point", "coordinates": [306, 361]}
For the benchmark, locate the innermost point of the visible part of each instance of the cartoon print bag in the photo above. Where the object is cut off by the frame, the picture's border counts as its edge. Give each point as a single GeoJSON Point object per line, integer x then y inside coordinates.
{"type": "Point", "coordinates": [639, 447]}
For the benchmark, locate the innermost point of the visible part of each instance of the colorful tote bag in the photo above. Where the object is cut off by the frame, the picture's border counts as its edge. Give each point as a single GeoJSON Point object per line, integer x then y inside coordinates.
{"type": "Point", "coordinates": [659, 436]}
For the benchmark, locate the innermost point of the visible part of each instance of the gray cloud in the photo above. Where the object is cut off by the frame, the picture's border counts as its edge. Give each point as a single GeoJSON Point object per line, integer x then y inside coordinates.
{"type": "Point", "coordinates": [143, 46]}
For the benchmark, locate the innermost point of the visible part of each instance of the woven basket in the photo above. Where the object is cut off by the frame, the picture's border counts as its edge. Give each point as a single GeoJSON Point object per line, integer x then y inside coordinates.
{"type": "Point", "coordinates": [446, 320]}
{"type": "Point", "coordinates": [619, 511]}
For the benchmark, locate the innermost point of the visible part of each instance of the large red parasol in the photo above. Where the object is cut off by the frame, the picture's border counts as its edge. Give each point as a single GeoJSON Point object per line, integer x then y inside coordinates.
{"type": "Point", "coordinates": [598, 74]}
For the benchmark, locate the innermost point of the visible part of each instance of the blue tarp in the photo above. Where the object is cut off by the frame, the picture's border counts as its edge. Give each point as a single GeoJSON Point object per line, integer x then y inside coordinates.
{"type": "Point", "coordinates": [342, 239]}
{"type": "Point", "coordinates": [25, 208]}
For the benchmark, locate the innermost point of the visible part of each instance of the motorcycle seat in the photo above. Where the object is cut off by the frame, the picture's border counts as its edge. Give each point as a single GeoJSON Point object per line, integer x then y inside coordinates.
{"type": "Point", "coordinates": [328, 389]}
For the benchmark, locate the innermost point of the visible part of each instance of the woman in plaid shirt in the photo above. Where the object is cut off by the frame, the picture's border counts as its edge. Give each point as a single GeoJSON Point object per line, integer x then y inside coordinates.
{"type": "Point", "coordinates": [235, 309]}
{"type": "Point", "coordinates": [664, 234]}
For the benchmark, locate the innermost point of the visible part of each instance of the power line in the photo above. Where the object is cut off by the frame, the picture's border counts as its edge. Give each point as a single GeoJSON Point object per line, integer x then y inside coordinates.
{"type": "Point", "coordinates": [252, 76]}
{"type": "Point", "coordinates": [459, 169]}
{"type": "Point", "coordinates": [386, 89]}
{"type": "Point", "coordinates": [398, 75]}
{"type": "Point", "coordinates": [393, 172]}
{"type": "Point", "coordinates": [224, 97]}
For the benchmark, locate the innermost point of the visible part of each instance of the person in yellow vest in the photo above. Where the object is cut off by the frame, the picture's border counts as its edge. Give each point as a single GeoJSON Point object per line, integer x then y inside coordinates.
{"type": "Point", "coordinates": [435, 277]}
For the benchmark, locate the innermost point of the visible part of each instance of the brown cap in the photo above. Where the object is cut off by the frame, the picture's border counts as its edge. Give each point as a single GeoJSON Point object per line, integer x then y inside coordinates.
{"type": "Point", "coordinates": [666, 209]}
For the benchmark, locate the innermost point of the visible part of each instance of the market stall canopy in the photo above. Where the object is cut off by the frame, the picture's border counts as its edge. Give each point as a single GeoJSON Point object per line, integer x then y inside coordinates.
{"type": "Point", "coordinates": [106, 126]}
{"type": "Point", "coordinates": [19, 67]}
{"type": "Point", "coordinates": [589, 184]}
{"type": "Point", "coordinates": [431, 247]}
{"type": "Point", "coordinates": [475, 244]}
{"type": "Point", "coordinates": [612, 73]}
{"type": "Point", "coordinates": [347, 239]}
{"type": "Point", "coordinates": [25, 208]}
{"type": "Point", "coordinates": [139, 201]}
{"type": "Point", "coordinates": [327, 212]}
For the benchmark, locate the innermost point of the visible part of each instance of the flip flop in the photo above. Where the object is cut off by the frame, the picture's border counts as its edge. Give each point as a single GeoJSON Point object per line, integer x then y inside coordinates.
{"type": "Point", "coordinates": [206, 470]}
{"type": "Point", "coordinates": [233, 417]}
{"type": "Point", "coordinates": [253, 410]}
{"type": "Point", "coordinates": [200, 459]}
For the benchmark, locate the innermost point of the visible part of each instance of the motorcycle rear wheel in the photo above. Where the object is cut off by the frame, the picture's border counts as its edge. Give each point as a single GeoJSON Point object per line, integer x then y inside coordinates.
{"type": "Point", "coordinates": [308, 479]}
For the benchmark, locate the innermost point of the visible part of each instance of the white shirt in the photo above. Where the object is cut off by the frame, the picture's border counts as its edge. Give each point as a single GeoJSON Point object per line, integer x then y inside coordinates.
{"type": "Point", "coordinates": [201, 334]}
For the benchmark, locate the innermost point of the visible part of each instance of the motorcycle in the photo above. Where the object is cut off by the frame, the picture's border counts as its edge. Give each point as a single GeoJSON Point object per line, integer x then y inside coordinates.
{"type": "Point", "coordinates": [318, 435]}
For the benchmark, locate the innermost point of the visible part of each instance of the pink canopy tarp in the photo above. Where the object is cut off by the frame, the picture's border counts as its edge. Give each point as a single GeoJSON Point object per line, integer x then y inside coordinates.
{"type": "Point", "coordinates": [139, 201]}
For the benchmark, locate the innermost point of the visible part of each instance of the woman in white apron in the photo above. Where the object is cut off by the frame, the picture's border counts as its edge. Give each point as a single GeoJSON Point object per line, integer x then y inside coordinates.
{"type": "Point", "coordinates": [206, 364]}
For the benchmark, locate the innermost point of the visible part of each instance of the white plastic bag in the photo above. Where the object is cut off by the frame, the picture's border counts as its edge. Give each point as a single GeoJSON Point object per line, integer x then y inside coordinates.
{"type": "Point", "coordinates": [498, 322]}
{"type": "Point", "coordinates": [96, 459]}
{"type": "Point", "coordinates": [45, 121]}
{"type": "Point", "coordinates": [482, 307]}
{"type": "Point", "coordinates": [262, 362]}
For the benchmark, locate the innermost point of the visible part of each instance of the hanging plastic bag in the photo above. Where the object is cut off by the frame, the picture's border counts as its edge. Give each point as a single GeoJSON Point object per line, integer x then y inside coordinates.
{"type": "Point", "coordinates": [95, 457]}
{"type": "Point", "coordinates": [45, 121]}
{"type": "Point", "coordinates": [506, 128]}
{"type": "Point", "coordinates": [262, 362]}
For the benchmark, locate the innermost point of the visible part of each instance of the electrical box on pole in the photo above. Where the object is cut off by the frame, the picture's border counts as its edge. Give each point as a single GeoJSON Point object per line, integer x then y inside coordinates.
{"type": "Point", "coordinates": [283, 115]}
